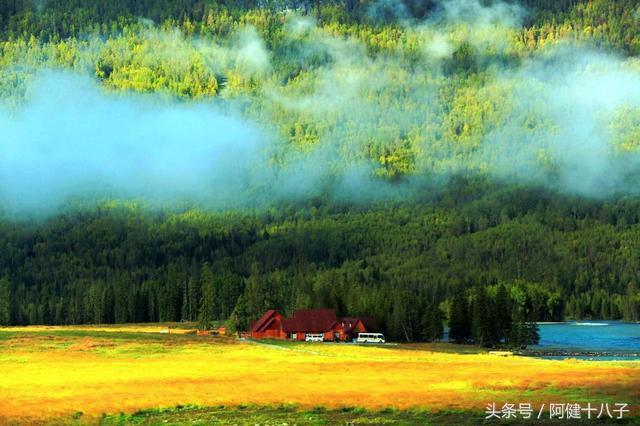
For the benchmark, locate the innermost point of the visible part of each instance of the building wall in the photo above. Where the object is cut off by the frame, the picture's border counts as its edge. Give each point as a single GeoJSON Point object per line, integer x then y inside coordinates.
{"type": "Point", "coordinates": [269, 334]}
{"type": "Point", "coordinates": [274, 331]}
{"type": "Point", "coordinates": [359, 328]}
{"type": "Point", "coordinates": [330, 335]}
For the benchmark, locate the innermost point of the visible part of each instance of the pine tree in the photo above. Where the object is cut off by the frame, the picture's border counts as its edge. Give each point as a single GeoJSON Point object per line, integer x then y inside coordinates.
{"type": "Point", "coordinates": [459, 321]}
{"type": "Point", "coordinates": [533, 333]}
{"type": "Point", "coordinates": [184, 310]}
{"type": "Point", "coordinates": [5, 301]}
{"type": "Point", "coordinates": [518, 333]}
{"type": "Point", "coordinates": [482, 325]}
{"type": "Point", "coordinates": [523, 332]}
{"type": "Point", "coordinates": [398, 327]}
{"type": "Point", "coordinates": [207, 300]}
{"type": "Point", "coordinates": [239, 319]}
{"type": "Point", "coordinates": [502, 314]}
{"type": "Point", "coordinates": [432, 328]}
{"type": "Point", "coordinates": [193, 290]}
{"type": "Point", "coordinates": [631, 306]}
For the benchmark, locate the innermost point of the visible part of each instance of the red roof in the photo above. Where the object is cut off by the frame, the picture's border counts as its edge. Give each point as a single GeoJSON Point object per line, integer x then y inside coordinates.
{"type": "Point", "coordinates": [351, 322]}
{"type": "Point", "coordinates": [310, 321]}
{"type": "Point", "coordinates": [369, 323]}
{"type": "Point", "coordinates": [264, 321]}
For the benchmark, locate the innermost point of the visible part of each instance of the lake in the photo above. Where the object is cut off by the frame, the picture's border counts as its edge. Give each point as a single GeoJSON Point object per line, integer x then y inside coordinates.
{"type": "Point", "coordinates": [613, 339]}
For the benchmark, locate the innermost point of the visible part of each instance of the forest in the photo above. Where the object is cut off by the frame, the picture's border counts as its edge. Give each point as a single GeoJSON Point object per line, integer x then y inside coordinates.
{"type": "Point", "coordinates": [447, 177]}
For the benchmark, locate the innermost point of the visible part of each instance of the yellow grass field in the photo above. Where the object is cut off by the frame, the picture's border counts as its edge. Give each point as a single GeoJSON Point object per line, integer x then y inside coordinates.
{"type": "Point", "coordinates": [54, 372]}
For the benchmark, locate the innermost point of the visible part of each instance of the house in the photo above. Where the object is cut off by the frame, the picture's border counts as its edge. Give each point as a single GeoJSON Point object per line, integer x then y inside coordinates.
{"type": "Point", "coordinates": [353, 326]}
{"type": "Point", "coordinates": [269, 326]}
{"type": "Point", "coordinates": [272, 325]}
{"type": "Point", "coordinates": [313, 321]}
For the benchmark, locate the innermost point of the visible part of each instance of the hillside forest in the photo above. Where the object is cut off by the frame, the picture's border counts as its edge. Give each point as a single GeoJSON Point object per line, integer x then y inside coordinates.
{"type": "Point", "coordinates": [463, 164]}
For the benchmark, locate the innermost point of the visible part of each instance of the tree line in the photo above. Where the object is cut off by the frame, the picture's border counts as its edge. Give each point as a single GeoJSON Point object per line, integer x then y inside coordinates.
{"type": "Point", "coordinates": [488, 259]}
{"type": "Point", "coordinates": [413, 265]}
{"type": "Point", "coordinates": [501, 319]}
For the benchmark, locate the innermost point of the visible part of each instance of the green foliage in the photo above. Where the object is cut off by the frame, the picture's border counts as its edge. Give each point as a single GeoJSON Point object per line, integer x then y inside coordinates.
{"type": "Point", "coordinates": [432, 323]}
{"type": "Point", "coordinates": [502, 314]}
{"type": "Point", "coordinates": [208, 299]}
{"type": "Point", "coordinates": [523, 331]}
{"type": "Point", "coordinates": [425, 105]}
{"type": "Point", "coordinates": [459, 318]}
{"type": "Point", "coordinates": [239, 319]}
{"type": "Point", "coordinates": [493, 320]}
{"type": "Point", "coordinates": [413, 109]}
{"type": "Point", "coordinates": [393, 262]}
{"type": "Point", "coordinates": [5, 301]}
{"type": "Point", "coordinates": [482, 326]}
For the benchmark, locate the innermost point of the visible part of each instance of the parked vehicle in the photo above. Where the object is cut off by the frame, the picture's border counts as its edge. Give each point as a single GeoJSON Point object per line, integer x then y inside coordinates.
{"type": "Point", "coordinates": [311, 337]}
{"type": "Point", "coordinates": [370, 338]}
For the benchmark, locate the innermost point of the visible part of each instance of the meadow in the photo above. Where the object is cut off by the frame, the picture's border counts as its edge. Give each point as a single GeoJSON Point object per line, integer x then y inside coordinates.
{"type": "Point", "coordinates": [92, 374]}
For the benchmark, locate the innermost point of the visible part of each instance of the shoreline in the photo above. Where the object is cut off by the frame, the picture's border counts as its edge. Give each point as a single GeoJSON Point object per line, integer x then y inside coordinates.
{"type": "Point", "coordinates": [577, 353]}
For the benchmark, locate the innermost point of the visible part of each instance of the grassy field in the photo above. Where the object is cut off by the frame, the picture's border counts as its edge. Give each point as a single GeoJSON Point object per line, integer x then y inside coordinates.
{"type": "Point", "coordinates": [108, 374]}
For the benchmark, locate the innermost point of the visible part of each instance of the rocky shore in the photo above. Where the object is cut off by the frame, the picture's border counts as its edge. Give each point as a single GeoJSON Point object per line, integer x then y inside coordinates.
{"type": "Point", "coordinates": [581, 354]}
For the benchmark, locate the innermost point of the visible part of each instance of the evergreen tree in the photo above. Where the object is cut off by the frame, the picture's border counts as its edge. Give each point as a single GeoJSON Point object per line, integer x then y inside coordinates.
{"type": "Point", "coordinates": [194, 296]}
{"type": "Point", "coordinates": [184, 310]}
{"type": "Point", "coordinates": [404, 321]}
{"type": "Point", "coordinates": [533, 333]}
{"type": "Point", "coordinates": [239, 317]}
{"type": "Point", "coordinates": [207, 300]}
{"type": "Point", "coordinates": [459, 319]}
{"type": "Point", "coordinates": [631, 307]}
{"type": "Point", "coordinates": [5, 301]}
{"type": "Point", "coordinates": [523, 331]}
{"type": "Point", "coordinates": [502, 314]}
{"type": "Point", "coordinates": [432, 319]}
{"type": "Point", "coordinates": [518, 332]}
{"type": "Point", "coordinates": [482, 325]}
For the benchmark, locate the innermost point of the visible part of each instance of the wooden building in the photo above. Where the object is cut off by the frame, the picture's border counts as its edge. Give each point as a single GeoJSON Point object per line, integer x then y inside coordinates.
{"type": "Point", "coordinates": [269, 326]}
{"type": "Point", "coordinates": [314, 322]}
{"type": "Point", "coordinates": [354, 325]}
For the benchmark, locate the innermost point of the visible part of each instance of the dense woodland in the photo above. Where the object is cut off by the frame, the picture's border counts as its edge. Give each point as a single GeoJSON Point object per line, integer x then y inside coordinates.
{"type": "Point", "coordinates": [486, 255]}
{"type": "Point", "coordinates": [557, 257]}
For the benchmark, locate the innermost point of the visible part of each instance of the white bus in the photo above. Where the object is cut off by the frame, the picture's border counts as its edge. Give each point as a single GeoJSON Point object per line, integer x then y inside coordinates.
{"type": "Point", "coordinates": [370, 338]}
{"type": "Point", "coordinates": [312, 337]}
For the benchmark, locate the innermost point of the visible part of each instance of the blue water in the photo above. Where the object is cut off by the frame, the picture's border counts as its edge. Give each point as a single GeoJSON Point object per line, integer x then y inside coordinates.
{"type": "Point", "coordinates": [592, 336]}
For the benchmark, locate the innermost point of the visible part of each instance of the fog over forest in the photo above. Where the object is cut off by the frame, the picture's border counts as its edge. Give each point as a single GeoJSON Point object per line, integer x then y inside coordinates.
{"type": "Point", "coordinates": [367, 127]}
{"type": "Point", "coordinates": [424, 162]}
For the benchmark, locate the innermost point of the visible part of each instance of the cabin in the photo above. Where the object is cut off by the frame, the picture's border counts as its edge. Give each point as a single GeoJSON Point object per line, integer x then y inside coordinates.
{"type": "Point", "coordinates": [353, 326]}
{"type": "Point", "coordinates": [312, 322]}
{"type": "Point", "coordinates": [269, 326]}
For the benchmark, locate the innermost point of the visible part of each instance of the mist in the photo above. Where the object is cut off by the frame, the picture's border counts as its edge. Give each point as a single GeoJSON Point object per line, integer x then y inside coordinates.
{"type": "Point", "coordinates": [72, 140]}
{"type": "Point", "coordinates": [340, 123]}
{"type": "Point", "coordinates": [564, 127]}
